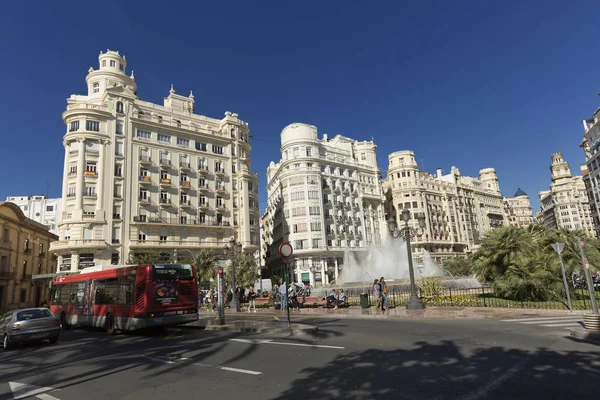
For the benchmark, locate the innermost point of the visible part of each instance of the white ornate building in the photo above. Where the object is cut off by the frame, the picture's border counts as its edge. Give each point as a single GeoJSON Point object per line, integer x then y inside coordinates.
{"type": "Point", "coordinates": [565, 204]}
{"type": "Point", "coordinates": [325, 199]}
{"type": "Point", "coordinates": [458, 209]}
{"type": "Point", "coordinates": [517, 209]}
{"type": "Point", "coordinates": [140, 176]}
{"type": "Point", "coordinates": [590, 144]}
{"type": "Point", "coordinates": [40, 209]}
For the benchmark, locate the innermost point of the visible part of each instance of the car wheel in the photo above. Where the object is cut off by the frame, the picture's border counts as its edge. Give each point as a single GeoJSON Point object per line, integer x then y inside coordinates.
{"type": "Point", "coordinates": [109, 325]}
{"type": "Point", "coordinates": [6, 343]}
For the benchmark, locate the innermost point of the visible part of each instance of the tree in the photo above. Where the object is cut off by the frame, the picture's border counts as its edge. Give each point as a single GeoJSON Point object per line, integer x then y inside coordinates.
{"type": "Point", "coordinates": [246, 270]}
{"type": "Point", "coordinates": [148, 257]}
{"type": "Point", "coordinates": [205, 267]}
{"type": "Point", "coordinates": [458, 266]}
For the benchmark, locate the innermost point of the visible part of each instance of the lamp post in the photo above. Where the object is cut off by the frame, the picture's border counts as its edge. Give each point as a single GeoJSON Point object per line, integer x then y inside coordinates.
{"type": "Point", "coordinates": [558, 247]}
{"type": "Point", "coordinates": [232, 249]}
{"type": "Point", "coordinates": [414, 302]}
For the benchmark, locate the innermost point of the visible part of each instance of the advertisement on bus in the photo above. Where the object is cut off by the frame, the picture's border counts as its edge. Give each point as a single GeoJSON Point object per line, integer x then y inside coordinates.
{"type": "Point", "coordinates": [166, 284]}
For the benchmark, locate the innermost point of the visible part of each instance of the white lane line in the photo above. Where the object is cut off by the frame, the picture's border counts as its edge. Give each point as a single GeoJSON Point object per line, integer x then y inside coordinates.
{"type": "Point", "coordinates": [319, 346]}
{"type": "Point", "coordinates": [551, 321]}
{"type": "Point", "coordinates": [541, 318]}
{"type": "Point", "coordinates": [561, 325]}
{"type": "Point", "coordinates": [242, 371]}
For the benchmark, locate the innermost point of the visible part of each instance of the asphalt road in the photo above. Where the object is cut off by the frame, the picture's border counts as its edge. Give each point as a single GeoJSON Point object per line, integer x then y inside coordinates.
{"type": "Point", "coordinates": [344, 359]}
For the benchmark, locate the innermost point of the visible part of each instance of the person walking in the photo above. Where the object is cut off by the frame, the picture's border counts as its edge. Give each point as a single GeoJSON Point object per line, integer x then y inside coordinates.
{"type": "Point", "coordinates": [251, 299]}
{"type": "Point", "coordinates": [283, 296]}
{"type": "Point", "coordinates": [384, 297]}
{"type": "Point", "coordinates": [377, 292]}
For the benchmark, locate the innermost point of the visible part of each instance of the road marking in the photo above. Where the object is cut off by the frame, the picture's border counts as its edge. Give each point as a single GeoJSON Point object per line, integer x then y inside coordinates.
{"type": "Point", "coordinates": [242, 371]}
{"type": "Point", "coordinates": [230, 369]}
{"type": "Point", "coordinates": [561, 325]}
{"type": "Point", "coordinates": [320, 346]}
{"type": "Point", "coordinates": [540, 319]}
{"type": "Point", "coordinates": [23, 391]}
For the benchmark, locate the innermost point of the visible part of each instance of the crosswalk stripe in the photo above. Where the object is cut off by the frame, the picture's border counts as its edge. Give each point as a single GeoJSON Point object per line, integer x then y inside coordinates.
{"type": "Point", "coordinates": [541, 319]}
{"type": "Point", "coordinates": [561, 325]}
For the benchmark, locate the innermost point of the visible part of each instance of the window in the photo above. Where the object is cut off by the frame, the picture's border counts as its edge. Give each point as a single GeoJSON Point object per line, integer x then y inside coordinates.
{"type": "Point", "coordinates": [119, 129]}
{"type": "Point", "coordinates": [103, 63]}
{"type": "Point", "coordinates": [89, 191]}
{"type": "Point", "coordinates": [313, 194]}
{"type": "Point", "coordinates": [316, 243]}
{"type": "Point", "coordinates": [74, 126]}
{"type": "Point", "coordinates": [96, 87]}
{"type": "Point", "coordinates": [143, 194]}
{"type": "Point", "coordinates": [73, 168]}
{"type": "Point", "coordinates": [308, 152]}
{"type": "Point", "coordinates": [117, 191]}
{"type": "Point", "coordinates": [217, 149]}
{"type": "Point", "coordinates": [71, 192]}
{"type": "Point", "coordinates": [116, 235]}
{"type": "Point", "coordinates": [164, 138]}
{"type": "Point", "coordinates": [120, 107]}
{"type": "Point", "coordinates": [164, 175]}
{"type": "Point", "coordinates": [183, 142]}
{"type": "Point", "coordinates": [202, 200]}
{"type": "Point", "coordinates": [218, 166]}
{"type": "Point", "coordinates": [120, 67]}
{"type": "Point", "coordinates": [219, 202]}
{"type": "Point", "coordinates": [23, 296]}
{"type": "Point", "coordinates": [114, 259]}
{"type": "Point", "coordinates": [363, 156]}
{"type": "Point", "coordinates": [93, 126]}
{"type": "Point", "coordinates": [142, 236]}
{"type": "Point", "coordinates": [233, 168]}
{"type": "Point", "coordinates": [118, 170]}
{"type": "Point", "coordinates": [113, 63]}
{"type": "Point", "coordinates": [163, 238]}
{"type": "Point", "coordinates": [49, 208]}
{"type": "Point", "coordinates": [164, 196]}
{"type": "Point", "coordinates": [315, 210]}
{"type": "Point", "coordinates": [250, 186]}
{"type": "Point", "coordinates": [116, 212]}
{"type": "Point", "coordinates": [90, 167]}
{"type": "Point", "coordinates": [144, 134]}
{"type": "Point", "coordinates": [118, 148]}
{"type": "Point", "coordinates": [200, 146]}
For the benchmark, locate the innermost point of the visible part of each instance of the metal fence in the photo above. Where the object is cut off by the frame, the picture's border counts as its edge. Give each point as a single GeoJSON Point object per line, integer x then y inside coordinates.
{"type": "Point", "coordinates": [474, 297]}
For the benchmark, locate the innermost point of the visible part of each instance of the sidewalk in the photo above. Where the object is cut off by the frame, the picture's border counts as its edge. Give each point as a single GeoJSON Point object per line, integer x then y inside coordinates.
{"type": "Point", "coordinates": [401, 312]}
{"type": "Point", "coordinates": [210, 322]}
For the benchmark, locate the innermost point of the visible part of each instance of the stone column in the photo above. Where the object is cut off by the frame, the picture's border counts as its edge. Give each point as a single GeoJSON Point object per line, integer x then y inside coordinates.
{"type": "Point", "coordinates": [244, 237]}
{"type": "Point", "coordinates": [65, 187]}
{"type": "Point", "coordinates": [323, 274]}
{"type": "Point", "coordinates": [101, 173]}
{"type": "Point", "coordinates": [336, 269]}
{"type": "Point", "coordinates": [80, 171]}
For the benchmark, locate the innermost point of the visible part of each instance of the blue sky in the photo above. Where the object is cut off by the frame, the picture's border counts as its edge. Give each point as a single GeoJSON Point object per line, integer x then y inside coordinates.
{"type": "Point", "coordinates": [468, 83]}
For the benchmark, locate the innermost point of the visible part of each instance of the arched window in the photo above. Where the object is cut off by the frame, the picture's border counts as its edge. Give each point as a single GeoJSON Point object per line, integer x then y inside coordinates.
{"type": "Point", "coordinates": [120, 107]}
{"type": "Point", "coordinates": [233, 133]}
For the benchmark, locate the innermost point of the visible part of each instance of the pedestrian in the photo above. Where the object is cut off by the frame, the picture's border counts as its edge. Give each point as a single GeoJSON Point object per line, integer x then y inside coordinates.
{"type": "Point", "coordinates": [294, 296]}
{"type": "Point", "coordinates": [251, 299]}
{"type": "Point", "coordinates": [283, 295]}
{"type": "Point", "coordinates": [332, 299]}
{"type": "Point", "coordinates": [377, 292]}
{"type": "Point", "coordinates": [384, 297]}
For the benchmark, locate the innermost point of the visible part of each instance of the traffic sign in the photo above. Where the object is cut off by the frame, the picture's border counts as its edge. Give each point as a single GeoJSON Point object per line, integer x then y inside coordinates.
{"type": "Point", "coordinates": [220, 271]}
{"type": "Point", "coordinates": [286, 250]}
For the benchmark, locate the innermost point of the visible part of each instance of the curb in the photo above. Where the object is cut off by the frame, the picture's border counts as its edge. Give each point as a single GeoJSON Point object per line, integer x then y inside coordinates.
{"type": "Point", "coordinates": [293, 329]}
{"type": "Point", "coordinates": [587, 335]}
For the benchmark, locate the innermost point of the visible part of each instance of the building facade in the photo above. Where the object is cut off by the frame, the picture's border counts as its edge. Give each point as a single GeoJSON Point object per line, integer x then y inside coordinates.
{"type": "Point", "coordinates": [40, 209]}
{"type": "Point", "coordinates": [140, 176]}
{"type": "Point", "coordinates": [325, 199]}
{"type": "Point", "coordinates": [24, 259]}
{"type": "Point", "coordinates": [565, 204]}
{"type": "Point", "coordinates": [458, 209]}
{"type": "Point", "coordinates": [590, 144]}
{"type": "Point", "coordinates": [517, 209]}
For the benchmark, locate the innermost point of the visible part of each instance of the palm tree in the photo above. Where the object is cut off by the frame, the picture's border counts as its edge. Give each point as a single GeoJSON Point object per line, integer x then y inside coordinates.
{"type": "Point", "coordinates": [204, 262]}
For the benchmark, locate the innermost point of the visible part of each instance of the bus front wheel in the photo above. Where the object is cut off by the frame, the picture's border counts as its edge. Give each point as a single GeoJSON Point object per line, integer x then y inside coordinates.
{"type": "Point", "coordinates": [109, 325]}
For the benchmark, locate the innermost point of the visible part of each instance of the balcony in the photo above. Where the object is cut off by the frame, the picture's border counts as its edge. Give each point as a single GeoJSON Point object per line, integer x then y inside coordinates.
{"type": "Point", "coordinates": [165, 203]}
{"type": "Point", "coordinates": [5, 244]}
{"type": "Point", "coordinates": [41, 254]}
{"type": "Point", "coordinates": [189, 220]}
{"type": "Point", "coordinates": [145, 160]}
{"type": "Point", "coordinates": [219, 172]}
{"type": "Point", "coordinates": [83, 244]}
{"type": "Point", "coordinates": [165, 182]}
{"type": "Point", "coordinates": [92, 174]}
{"type": "Point", "coordinates": [143, 201]}
{"type": "Point", "coordinates": [203, 188]}
{"type": "Point", "coordinates": [145, 180]}
{"type": "Point", "coordinates": [185, 204]}
{"type": "Point", "coordinates": [5, 273]}
{"type": "Point", "coordinates": [202, 170]}
{"type": "Point", "coordinates": [185, 185]}
{"type": "Point", "coordinates": [27, 251]}
{"type": "Point", "coordinates": [220, 188]}
{"type": "Point", "coordinates": [164, 162]}
{"type": "Point", "coordinates": [203, 206]}
{"type": "Point", "coordinates": [184, 166]}
{"type": "Point", "coordinates": [220, 206]}
{"type": "Point", "coordinates": [171, 244]}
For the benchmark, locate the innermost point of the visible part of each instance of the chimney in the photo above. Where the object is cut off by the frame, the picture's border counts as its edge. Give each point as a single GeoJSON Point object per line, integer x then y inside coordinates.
{"type": "Point", "coordinates": [439, 172]}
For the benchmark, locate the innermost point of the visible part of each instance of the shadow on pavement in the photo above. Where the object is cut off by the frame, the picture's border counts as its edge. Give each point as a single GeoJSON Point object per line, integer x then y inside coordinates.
{"type": "Point", "coordinates": [443, 371]}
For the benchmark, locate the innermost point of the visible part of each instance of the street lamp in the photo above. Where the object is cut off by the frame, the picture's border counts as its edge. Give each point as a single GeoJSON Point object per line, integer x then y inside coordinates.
{"type": "Point", "coordinates": [414, 302]}
{"type": "Point", "coordinates": [232, 249]}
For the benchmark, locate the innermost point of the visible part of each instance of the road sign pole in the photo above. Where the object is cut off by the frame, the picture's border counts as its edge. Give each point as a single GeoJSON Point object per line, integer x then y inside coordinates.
{"type": "Point", "coordinates": [588, 277]}
{"type": "Point", "coordinates": [286, 250]}
{"type": "Point", "coordinates": [288, 295]}
{"type": "Point", "coordinates": [220, 294]}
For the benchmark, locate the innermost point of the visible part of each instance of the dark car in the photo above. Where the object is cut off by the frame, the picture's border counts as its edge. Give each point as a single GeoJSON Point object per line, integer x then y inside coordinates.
{"type": "Point", "coordinates": [28, 325]}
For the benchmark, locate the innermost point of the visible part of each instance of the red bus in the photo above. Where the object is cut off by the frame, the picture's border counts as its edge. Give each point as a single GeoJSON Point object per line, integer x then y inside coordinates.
{"type": "Point", "coordinates": [127, 297]}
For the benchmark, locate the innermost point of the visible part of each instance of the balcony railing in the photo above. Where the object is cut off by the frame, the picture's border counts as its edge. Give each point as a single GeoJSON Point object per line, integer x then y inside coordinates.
{"type": "Point", "coordinates": [190, 220]}
{"type": "Point", "coordinates": [145, 159]}
{"type": "Point", "coordinates": [202, 169]}
{"type": "Point", "coordinates": [165, 182]}
{"type": "Point", "coordinates": [78, 243]}
{"type": "Point", "coordinates": [185, 185]}
{"type": "Point", "coordinates": [184, 165]}
{"type": "Point", "coordinates": [5, 273]}
{"type": "Point", "coordinates": [90, 173]}
{"type": "Point", "coordinates": [165, 202]}
{"type": "Point", "coordinates": [164, 162]}
{"type": "Point", "coordinates": [145, 179]}
{"type": "Point", "coordinates": [27, 251]}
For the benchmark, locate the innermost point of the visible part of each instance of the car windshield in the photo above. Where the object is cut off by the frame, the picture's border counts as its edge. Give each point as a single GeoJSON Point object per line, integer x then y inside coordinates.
{"type": "Point", "coordinates": [33, 314]}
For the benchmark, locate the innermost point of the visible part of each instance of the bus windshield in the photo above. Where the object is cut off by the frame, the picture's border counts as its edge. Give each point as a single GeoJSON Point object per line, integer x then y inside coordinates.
{"type": "Point", "coordinates": [172, 272]}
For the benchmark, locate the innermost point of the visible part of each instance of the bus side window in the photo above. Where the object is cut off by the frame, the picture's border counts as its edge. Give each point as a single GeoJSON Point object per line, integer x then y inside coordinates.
{"type": "Point", "coordinates": [100, 292]}
{"type": "Point", "coordinates": [126, 284]}
{"type": "Point", "coordinates": [55, 295]}
{"type": "Point", "coordinates": [111, 289]}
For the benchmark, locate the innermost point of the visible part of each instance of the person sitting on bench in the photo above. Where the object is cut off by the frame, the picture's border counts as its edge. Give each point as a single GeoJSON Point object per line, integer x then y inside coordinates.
{"type": "Point", "coordinates": [341, 298]}
{"type": "Point", "coordinates": [332, 299]}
